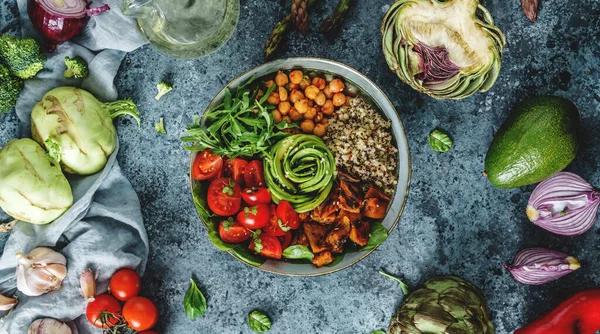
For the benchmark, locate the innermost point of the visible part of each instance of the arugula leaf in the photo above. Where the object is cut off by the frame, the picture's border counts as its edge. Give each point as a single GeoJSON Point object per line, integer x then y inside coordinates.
{"type": "Point", "coordinates": [258, 321]}
{"type": "Point", "coordinates": [160, 127]}
{"type": "Point", "coordinates": [440, 141]}
{"type": "Point", "coordinates": [297, 252]}
{"type": "Point", "coordinates": [379, 331]}
{"type": "Point", "coordinates": [194, 302]}
{"type": "Point", "coordinates": [403, 286]}
{"type": "Point", "coordinates": [377, 236]}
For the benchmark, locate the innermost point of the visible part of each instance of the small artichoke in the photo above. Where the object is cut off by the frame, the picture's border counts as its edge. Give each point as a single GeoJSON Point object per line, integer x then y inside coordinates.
{"type": "Point", "coordinates": [446, 305]}
{"type": "Point", "coordinates": [446, 49]}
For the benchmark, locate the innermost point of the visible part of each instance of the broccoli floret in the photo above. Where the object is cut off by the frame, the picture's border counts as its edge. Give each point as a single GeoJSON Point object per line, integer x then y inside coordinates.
{"type": "Point", "coordinates": [160, 127]}
{"type": "Point", "coordinates": [23, 57]}
{"type": "Point", "coordinates": [163, 88]}
{"type": "Point", "coordinates": [10, 88]}
{"type": "Point", "coordinates": [77, 67]}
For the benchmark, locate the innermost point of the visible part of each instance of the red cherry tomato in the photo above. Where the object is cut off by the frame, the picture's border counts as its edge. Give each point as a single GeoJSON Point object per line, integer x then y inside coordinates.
{"type": "Point", "coordinates": [140, 313]}
{"type": "Point", "coordinates": [227, 169]}
{"type": "Point", "coordinates": [125, 284]}
{"type": "Point", "coordinates": [285, 240]}
{"type": "Point", "coordinates": [254, 217]}
{"type": "Point", "coordinates": [232, 232]}
{"type": "Point", "coordinates": [104, 311]}
{"type": "Point", "coordinates": [254, 196]}
{"type": "Point", "coordinates": [253, 175]}
{"type": "Point", "coordinates": [288, 216]}
{"type": "Point", "coordinates": [147, 332]}
{"type": "Point", "coordinates": [238, 166]}
{"type": "Point", "coordinates": [224, 198]}
{"type": "Point", "coordinates": [271, 247]}
{"type": "Point", "coordinates": [273, 227]}
{"type": "Point", "coordinates": [206, 165]}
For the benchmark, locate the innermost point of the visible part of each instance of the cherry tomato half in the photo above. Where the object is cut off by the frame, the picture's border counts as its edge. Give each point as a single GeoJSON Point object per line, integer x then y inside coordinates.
{"type": "Point", "coordinates": [224, 198]}
{"type": "Point", "coordinates": [232, 232]}
{"type": "Point", "coordinates": [227, 169]}
{"type": "Point", "coordinates": [125, 284]}
{"type": "Point", "coordinates": [285, 240]}
{"type": "Point", "coordinates": [238, 166]}
{"type": "Point", "coordinates": [254, 217]}
{"type": "Point", "coordinates": [104, 311]}
{"type": "Point", "coordinates": [271, 247]}
{"type": "Point", "coordinates": [273, 227]}
{"type": "Point", "coordinates": [254, 196]}
{"type": "Point", "coordinates": [288, 216]}
{"type": "Point", "coordinates": [206, 165]}
{"type": "Point", "coordinates": [140, 313]}
{"type": "Point", "coordinates": [253, 175]}
{"type": "Point", "coordinates": [147, 332]}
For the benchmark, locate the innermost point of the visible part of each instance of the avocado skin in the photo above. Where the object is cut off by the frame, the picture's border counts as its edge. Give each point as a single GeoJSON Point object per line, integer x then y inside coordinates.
{"type": "Point", "coordinates": [538, 140]}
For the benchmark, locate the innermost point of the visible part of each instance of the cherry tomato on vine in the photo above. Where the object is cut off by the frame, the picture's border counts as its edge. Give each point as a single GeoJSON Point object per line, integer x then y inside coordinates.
{"type": "Point", "coordinates": [224, 198]}
{"type": "Point", "coordinates": [206, 165]}
{"type": "Point", "coordinates": [254, 196]}
{"type": "Point", "coordinates": [232, 232]}
{"type": "Point", "coordinates": [140, 313]}
{"type": "Point", "coordinates": [253, 175]}
{"type": "Point", "coordinates": [288, 216]}
{"type": "Point", "coordinates": [125, 284]}
{"type": "Point", "coordinates": [238, 166]}
{"type": "Point", "coordinates": [104, 311]}
{"type": "Point", "coordinates": [254, 217]}
{"type": "Point", "coordinates": [271, 247]}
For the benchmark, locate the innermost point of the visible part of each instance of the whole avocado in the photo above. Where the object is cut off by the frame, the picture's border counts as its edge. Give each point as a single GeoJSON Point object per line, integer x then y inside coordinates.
{"type": "Point", "coordinates": [538, 140]}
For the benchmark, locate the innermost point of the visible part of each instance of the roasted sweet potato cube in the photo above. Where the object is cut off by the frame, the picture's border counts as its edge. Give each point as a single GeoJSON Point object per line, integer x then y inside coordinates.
{"type": "Point", "coordinates": [338, 236]}
{"type": "Point", "coordinates": [316, 234]}
{"type": "Point", "coordinates": [375, 207]}
{"type": "Point", "coordinates": [359, 232]}
{"type": "Point", "coordinates": [300, 238]}
{"type": "Point", "coordinates": [350, 197]}
{"type": "Point", "coordinates": [353, 216]}
{"type": "Point", "coordinates": [323, 258]}
{"type": "Point", "coordinates": [374, 192]}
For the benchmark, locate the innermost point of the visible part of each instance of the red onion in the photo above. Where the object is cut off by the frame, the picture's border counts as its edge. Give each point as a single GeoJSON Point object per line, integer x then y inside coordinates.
{"type": "Point", "coordinates": [61, 20]}
{"type": "Point", "coordinates": [564, 204]}
{"type": "Point", "coordinates": [535, 266]}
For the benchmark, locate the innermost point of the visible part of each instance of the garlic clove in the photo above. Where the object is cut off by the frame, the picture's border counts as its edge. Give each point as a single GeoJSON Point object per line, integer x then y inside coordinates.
{"type": "Point", "coordinates": [48, 326]}
{"type": "Point", "coordinates": [40, 271]}
{"type": "Point", "coordinates": [535, 266]}
{"type": "Point", "coordinates": [7, 303]}
{"type": "Point", "coordinates": [88, 285]}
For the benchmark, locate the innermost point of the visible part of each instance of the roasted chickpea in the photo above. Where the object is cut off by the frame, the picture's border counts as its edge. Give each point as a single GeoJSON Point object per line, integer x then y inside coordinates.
{"type": "Point", "coordinates": [304, 83]}
{"type": "Point", "coordinates": [287, 119]}
{"type": "Point", "coordinates": [295, 115]}
{"type": "Point", "coordinates": [319, 83]}
{"type": "Point", "coordinates": [273, 99]}
{"type": "Point", "coordinates": [292, 86]}
{"type": "Point", "coordinates": [260, 94]}
{"type": "Point", "coordinates": [301, 106]}
{"type": "Point", "coordinates": [311, 103]}
{"type": "Point", "coordinates": [319, 130]}
{"type": "Point", "coordinates": [327, 92]}
{"type": "Point", "coordinates": [324, 121]}
{"type": "Point", "coordinates": [283, 94]}
{"type": "Point", "coordinates": [311, 113]}
{"type": "Point", "coordinates": [307, 126]}
{"type": "Point", "coordinates": [296, 96]}
{"type": "Point", "coordinates": [269, 83]}
{"type": "Point", "coordinates": [336, 86]}
{"type": "Point", "coordinates": [328, 107]}
{"type": "Point", "coordinates": [281, 79]}
{"type": "Point", "coordinates": [320, 99]}
{"type": "Point", "coordinates": [311, 92]}
{"type": "Point", "coordinates": [319, 117]}
{"type": "Point", "coordinates": [284, 107]}
{"type": "Point", "coordinates": [277, 116]}
{"type": "Point", "coordinates": [339, 99]}
{"type": "Point", "coordinates": [296, 77]}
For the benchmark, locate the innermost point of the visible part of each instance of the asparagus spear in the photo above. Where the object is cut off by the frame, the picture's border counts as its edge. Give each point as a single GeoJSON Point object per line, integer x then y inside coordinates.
{"type": "Point", "coordinates": [334, 21]}
{"type": "Point", "coordinates": [300, 15]}
{"type": "Point", "coordinates": [279, 32]}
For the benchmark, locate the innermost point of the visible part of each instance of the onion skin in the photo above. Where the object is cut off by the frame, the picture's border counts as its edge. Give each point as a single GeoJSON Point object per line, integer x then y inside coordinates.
{"type": "Point", "coordinates": [564, 204]}
{"type": "Point", "coordinates": [536, 266]}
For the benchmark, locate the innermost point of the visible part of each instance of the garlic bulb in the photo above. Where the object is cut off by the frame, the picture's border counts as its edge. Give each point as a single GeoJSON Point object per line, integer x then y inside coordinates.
{"type": "Point", "coordinates": [48, 326]}
{"type": "Point", "coordinates": [7, 303]}
{"type": "Point", "coordinates": [88, 285]}
{"type": "Point", "coordinates": [41, 271]}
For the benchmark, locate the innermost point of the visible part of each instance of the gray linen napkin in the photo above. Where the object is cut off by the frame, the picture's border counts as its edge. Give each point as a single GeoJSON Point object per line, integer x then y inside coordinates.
{"type": "Point", "coordinates": [104, 229]}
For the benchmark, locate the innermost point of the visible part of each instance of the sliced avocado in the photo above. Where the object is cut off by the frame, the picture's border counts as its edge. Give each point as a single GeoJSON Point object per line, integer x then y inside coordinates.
{"type": "Point", "coordinates": [538, 140]}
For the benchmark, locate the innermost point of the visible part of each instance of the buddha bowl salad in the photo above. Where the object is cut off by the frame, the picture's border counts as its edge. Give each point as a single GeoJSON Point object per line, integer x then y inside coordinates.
{"type": "Point", "coordinates": [293, 167]}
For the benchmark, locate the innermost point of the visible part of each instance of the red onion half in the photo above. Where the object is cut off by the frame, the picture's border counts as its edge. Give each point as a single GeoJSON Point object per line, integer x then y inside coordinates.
{"type": "Point", "coordinates": [564, 204]}
{"type": "Point", "coordinates": [535, 266]}
{"type": "Point", "coordinates": [61, 20]}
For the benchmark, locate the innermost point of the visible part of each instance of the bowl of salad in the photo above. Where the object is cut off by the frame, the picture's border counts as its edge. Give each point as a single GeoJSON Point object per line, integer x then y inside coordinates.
{"type": "Point", "coordinates": [299, 167]}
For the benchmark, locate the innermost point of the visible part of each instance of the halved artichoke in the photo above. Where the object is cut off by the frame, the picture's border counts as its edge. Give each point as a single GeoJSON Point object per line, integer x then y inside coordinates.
{"type": "Point", "coordinates": [446, 49]}
{"type": "Point", "coordinates": [446, 305]}
{"type": "Point", "coordinates": [32, 186]}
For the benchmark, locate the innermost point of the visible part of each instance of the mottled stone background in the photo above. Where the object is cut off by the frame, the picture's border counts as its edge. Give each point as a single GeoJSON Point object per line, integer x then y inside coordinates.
{"type": "Point", "coordinates": [455, 222]}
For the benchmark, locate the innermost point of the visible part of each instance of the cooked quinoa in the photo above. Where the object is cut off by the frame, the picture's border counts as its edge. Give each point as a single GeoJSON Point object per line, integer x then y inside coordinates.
{"type": "Point", "coordinates": [361, 141]}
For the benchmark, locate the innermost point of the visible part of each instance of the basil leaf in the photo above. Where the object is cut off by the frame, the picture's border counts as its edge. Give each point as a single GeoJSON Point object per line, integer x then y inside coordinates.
{"type": "Point", "coordinates": [194, 302]}
{"type": "Point", "coordinates": [440, 141]}
{"type": "Point", "coordinates": [258, 321]}
{"type": "Point", "coordinates": [378, 332]}
{"type": "Point", "coordinates": [337, 260]}
{"type": "Point", "coordinates": [297, 252]}
{"type": "Point", "coordinates": [378, 235]}
{"type": "Point", "coordinates": [403, 286]}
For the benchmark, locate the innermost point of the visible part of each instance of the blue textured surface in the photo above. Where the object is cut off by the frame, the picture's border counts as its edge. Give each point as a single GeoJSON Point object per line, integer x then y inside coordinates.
{"type": "Point", "coordinates": [455, 222]}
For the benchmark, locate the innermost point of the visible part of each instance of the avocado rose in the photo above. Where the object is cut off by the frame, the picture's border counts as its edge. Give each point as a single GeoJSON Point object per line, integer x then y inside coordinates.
{"type": "Point", "coordinates": [32, 186]}
{"type": "Point", "coordinates": [301, 170]}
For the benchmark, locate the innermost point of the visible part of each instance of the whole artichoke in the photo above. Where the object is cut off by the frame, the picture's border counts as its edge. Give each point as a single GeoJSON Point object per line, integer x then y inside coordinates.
{"type": "Point", "coordinates": [446, 49]}
{"type": "Point", "coordinates": [446, 305]}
